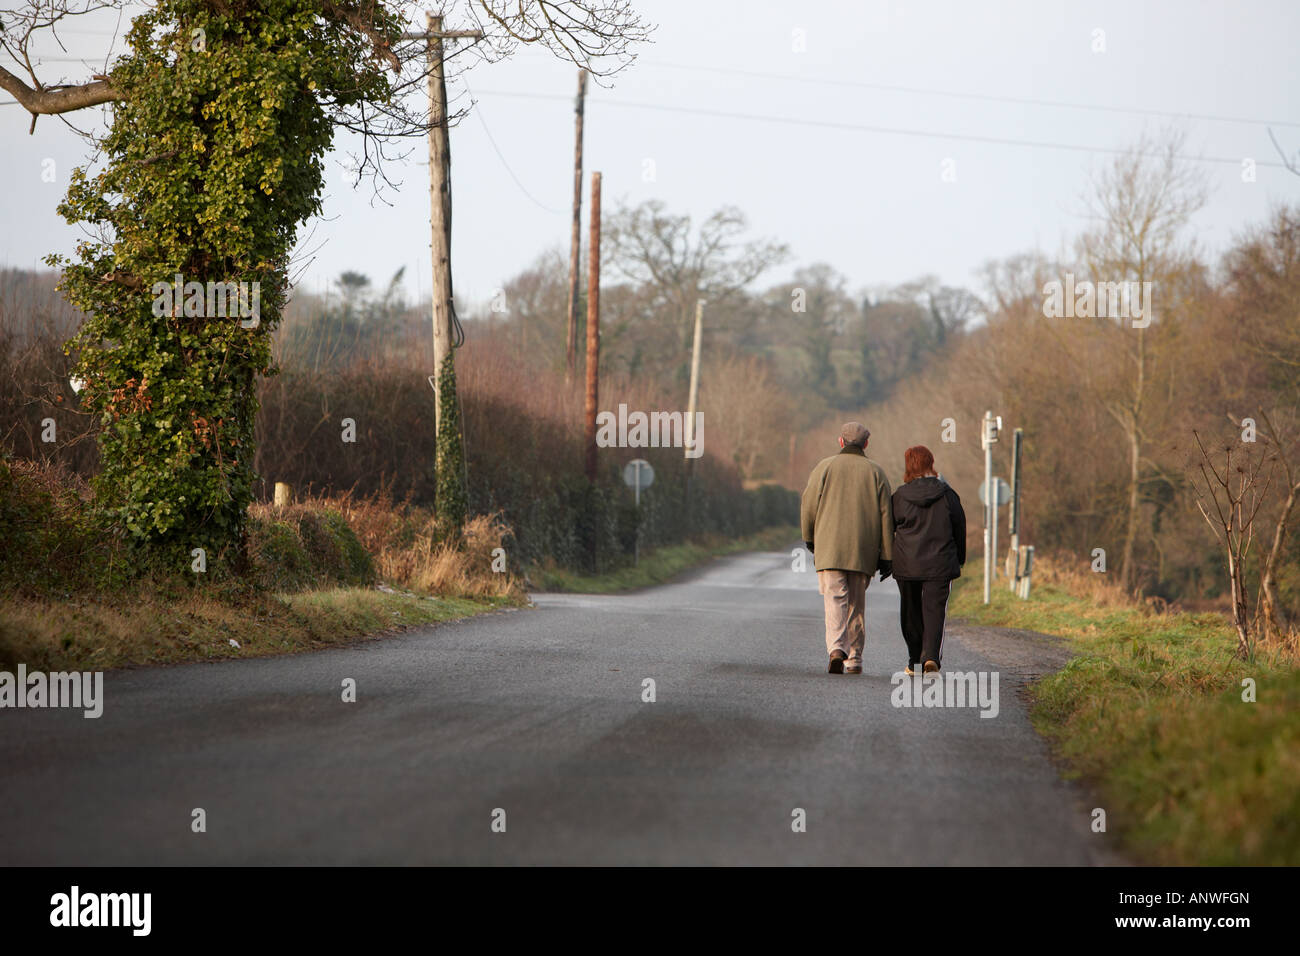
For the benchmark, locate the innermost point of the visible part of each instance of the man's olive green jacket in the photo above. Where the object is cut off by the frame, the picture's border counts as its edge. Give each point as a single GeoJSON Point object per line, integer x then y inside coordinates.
{"type": "Point", "coordinates": [847, 513]}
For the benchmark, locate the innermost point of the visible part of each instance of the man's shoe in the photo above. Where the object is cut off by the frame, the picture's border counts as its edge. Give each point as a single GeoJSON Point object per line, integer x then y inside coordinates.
{"type": "Point", "coordinates": [853, 669]}
{"type": "Point", "coordinates": [837, 663]}
{"type": "Point", "coordinates": [931, 667]}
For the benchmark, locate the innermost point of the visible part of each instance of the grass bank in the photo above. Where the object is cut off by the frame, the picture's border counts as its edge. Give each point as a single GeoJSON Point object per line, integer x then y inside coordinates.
{"type": "Point", "coordinates": [92, 632]}
{"type": "Point", "coordinates": [74, 596]}
{"type": "Point", "coordinates": [661, 564]}
{"type": "Point", "coordinates": [1150, 713]}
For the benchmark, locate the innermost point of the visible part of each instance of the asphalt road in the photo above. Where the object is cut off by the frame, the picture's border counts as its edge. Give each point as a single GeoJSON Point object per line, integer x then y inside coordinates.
{"type": "Point", "coordinates": [539, 713]}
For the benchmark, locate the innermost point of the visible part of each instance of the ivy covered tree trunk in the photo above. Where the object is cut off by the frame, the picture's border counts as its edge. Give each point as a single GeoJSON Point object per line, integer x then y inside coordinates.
{"type": "Point", "coordinates": [212, 161]}
{"type": "Point", "coordinates": [451, 499]}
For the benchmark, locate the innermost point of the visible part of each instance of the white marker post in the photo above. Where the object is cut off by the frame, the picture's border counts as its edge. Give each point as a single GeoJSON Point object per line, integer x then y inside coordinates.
{"type": "Point", "coordinates": [1001, 495]}
{"type": "Point", "coordinates": [988, 436]}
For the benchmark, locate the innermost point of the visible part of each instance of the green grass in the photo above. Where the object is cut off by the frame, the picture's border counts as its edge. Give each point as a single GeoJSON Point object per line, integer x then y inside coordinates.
{"type": "Point", "coordinates": [1150, 714]}
{"type": "Point", "coordinates": [661, 564]}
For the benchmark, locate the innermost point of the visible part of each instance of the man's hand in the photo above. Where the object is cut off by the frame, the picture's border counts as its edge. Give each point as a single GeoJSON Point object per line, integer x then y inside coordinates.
{"type": "Point", "coordinates": [886, 568]}
{"type": "Point", "coordinates": [808, 545]}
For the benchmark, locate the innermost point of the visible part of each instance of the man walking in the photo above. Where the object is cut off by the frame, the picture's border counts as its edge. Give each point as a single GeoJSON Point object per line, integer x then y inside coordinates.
{"type": "Point", "coordinates": [848, 525]}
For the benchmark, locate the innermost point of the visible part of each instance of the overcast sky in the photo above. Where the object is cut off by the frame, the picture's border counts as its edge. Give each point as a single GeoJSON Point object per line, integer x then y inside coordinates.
{"type": "Point", "coordinates": [838, 150]}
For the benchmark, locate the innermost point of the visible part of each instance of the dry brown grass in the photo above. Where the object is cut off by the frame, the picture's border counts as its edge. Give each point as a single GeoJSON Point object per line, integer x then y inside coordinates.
{"type": "Point", "coordinates": [442, 567]}
{"type": "Point", "coordinates": [411, 549]}
{"type": "Point", "coordinates": [1101, 589]}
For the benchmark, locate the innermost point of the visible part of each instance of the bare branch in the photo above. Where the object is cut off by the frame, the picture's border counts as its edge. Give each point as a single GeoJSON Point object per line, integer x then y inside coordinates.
{"type": "Point", "coordinates": [64, 99]}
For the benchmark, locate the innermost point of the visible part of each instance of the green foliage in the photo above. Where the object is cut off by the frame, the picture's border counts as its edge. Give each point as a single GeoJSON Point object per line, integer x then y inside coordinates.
{"type": "Point", "coordinates": [38, 523]}
{"type": "Point", "coordinates": [451, 500]}
{"type": "Point", "coordinates": [213, 160]}
{"type": "Point", "coordinates": [307, 548]}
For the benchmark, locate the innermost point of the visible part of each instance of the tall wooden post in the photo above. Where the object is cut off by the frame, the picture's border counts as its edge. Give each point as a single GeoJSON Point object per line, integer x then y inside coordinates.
{"type": "Point", "coordinates": [1013, 554]}
{"type": "Point", "coordinates": [439, 210]}
{"type": "Point", "coordinates": [593, 325]}
{"type": "Point", "coordinates": [575, 242]}
{"type": "Point", "coordinates": [693, 401]}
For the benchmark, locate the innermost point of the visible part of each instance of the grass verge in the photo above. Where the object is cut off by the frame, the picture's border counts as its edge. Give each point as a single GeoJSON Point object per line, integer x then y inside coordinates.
{"type": "Point", "coordinates": [661, 564]}
{"type": "Point", "coordinates": [1150, 713]}
{"type": "Point", "coordinates": [74, 596]}
{"type": "Point", "coordinates": [92, 633]}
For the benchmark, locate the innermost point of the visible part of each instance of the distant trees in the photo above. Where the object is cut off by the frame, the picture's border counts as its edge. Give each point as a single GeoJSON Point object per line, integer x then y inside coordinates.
{"type": "Point", "coordinates": [1264, 282]}
{"type": "Point", "coordinates": [530, 304]}
{"type": "Point", "coordinates": [778, 356]}
{"type": "Point", "coordinates": [332, 331]}
{"type": "Point", "coordinates": [811, 314]}
{"type": "Point", "coordinates": [658, 251]}
{"type": "Point", "coordinates": [1141, 204]}
{"type": "Point", "coordinates": [748, 415]}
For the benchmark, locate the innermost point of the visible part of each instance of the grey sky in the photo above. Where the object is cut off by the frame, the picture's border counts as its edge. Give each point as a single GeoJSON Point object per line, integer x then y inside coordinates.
{"type": "Point", "coordinates": [873, 204]}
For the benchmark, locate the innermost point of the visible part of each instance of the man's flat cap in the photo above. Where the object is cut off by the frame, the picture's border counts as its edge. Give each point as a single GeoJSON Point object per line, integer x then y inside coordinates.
{"type": "Point", "coordinates": [855, 433]}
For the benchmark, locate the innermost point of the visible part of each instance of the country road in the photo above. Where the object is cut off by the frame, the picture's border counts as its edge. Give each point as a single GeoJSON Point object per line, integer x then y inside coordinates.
{"type": "Point", "coordinates": [539, 712]}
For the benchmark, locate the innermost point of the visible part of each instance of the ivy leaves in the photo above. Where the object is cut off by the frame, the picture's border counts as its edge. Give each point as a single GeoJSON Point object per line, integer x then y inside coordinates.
{"type": "Point", "coordinates": [214, 158]}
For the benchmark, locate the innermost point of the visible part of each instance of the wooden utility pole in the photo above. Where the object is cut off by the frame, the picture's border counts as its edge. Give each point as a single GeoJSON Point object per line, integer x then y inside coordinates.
{"type": "Point", "coordinates": [439, 210]}
{"type": "Point", "coordinates": [593, 325]}
{"type": "Point", "coordinates": [575, 241]}
{"type": "Point", "coordinates": [695, 384]}
{"type": "Point", "coordinates": [440, 201]}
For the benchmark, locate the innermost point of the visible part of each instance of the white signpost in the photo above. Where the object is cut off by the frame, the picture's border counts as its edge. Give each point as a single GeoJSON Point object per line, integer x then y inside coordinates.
{"type": "Point", "coordinates": [1000, 497]}
{"type": "Point", "coordinates": [988, 438]}
{"type": "Point", "coordinates": [637, 474]}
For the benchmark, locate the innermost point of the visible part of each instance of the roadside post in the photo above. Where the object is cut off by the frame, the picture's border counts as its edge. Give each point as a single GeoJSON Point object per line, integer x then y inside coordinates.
{"type": "Point", "coordinates": [1001, 496]}
{"type": "Point", "coordinates": [637, 474]}
{"type": "Point", "coordinates": [988, 438]}
{"type": "Point", "coordinates": [1015, 568]}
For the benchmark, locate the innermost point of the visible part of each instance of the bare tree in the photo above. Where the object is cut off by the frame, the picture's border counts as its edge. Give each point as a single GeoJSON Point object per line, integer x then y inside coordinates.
{"type": "Point", "coordinates": [1140, 205]}
{"type": "Point", "coordinates": [651, 246]}
{"type": "Point", "coordinates": [1271, 611]}
{"type": "Point", "coordinates": [1264, 280]}
{"type": "Point", "coordinates": [950, 309]}
{"type": "Point", "coordinates": [1236, 495]}
{"type": "Point", "coordinates": [596, 35]}
{"type": "Point", "coordinates": [752, 414]}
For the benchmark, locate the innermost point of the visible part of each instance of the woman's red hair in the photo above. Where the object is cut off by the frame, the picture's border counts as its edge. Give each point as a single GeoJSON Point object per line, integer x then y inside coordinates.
{"type": "Point", "coordinates": [918, 461]}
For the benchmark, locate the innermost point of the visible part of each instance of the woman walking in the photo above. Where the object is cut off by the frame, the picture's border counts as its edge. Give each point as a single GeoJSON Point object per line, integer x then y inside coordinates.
{"type": "Point", "coordinates": [929, 550]}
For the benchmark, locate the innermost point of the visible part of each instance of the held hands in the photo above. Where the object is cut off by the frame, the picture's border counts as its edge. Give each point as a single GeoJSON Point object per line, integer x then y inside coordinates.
{"type": "Point", "coordinates": [886, 568]}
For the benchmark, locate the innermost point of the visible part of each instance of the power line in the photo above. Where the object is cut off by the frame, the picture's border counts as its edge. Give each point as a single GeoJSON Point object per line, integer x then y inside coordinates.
{"type": "Point", "coordinates": [894, 88]}
{"type": "Point", "coordinates": [522, 188]}
{"type": "Point", "coordinates": [866, 128]}
{"type": "Point", "coordinates": [886, 130]}
{"type": "Point", "coordinates": [960, 94]}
